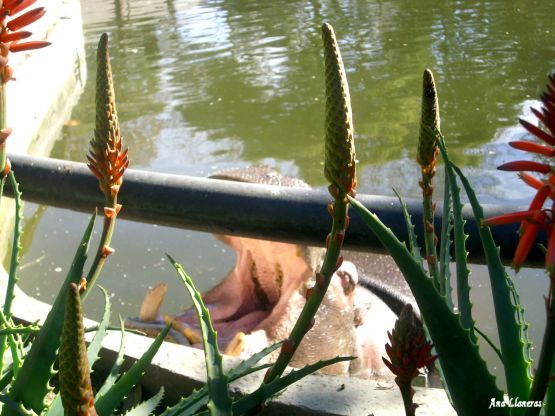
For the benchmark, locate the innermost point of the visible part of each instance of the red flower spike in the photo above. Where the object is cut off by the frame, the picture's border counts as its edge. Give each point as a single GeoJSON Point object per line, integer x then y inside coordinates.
{"type": "Point", "coordinates": [527, 238]}
{"type": "Point", "coordinates": [520, 165]}
{"type": "Point", "coordinates": [510, 218]}
{"type": "Point", "coordinates": [9, 4]}
{"type": "Point", "coordinates": [539, 133]}
{"type": "Point", "coordinates": [26, 19]}
{"type": "Point", "coordinates": [27, 46]}
{"type": "Point", "coordinates": [14, 36]}
{"type": "Point", "coordinates": [533, 147]}
{"type": "Point", "coordinates": [531, 180]}
{"type": "Point", "coordinates": [21, 6]}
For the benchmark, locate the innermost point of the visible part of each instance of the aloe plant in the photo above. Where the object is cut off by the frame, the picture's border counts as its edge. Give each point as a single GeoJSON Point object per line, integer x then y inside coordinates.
{"type": "Point", "coordinates": [470, 385]}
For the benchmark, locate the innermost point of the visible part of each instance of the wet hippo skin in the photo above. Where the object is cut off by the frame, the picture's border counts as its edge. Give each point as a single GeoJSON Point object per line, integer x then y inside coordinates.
{"type": "Point", "coordinates": [260, 300]}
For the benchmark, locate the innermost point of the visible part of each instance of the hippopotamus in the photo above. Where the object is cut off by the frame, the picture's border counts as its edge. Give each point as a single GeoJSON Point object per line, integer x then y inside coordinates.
{"type": "Point", "coordinates": [259, 301]}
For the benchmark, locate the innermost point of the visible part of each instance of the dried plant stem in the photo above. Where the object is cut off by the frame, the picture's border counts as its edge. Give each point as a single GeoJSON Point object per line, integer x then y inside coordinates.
{"type": "Point", "coordinates": [547, 353]}
{"type": "Point", "coordinates": [331, 261]}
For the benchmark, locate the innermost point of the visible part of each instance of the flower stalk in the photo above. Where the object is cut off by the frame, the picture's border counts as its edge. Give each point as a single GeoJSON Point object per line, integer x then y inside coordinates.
{"type": "Point", "coordinates": [340, 171]}
{"type": "Point", "coordinates": [426, 157]}
{"type": "Point", "coordinates": [408, 352]}
{"type": "Point", "coordinates": [106, 159]}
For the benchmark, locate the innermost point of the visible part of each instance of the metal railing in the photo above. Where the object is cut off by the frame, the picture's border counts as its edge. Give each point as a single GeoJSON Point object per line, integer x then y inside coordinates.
{"type": "Point", "coordinates": [225, 207]}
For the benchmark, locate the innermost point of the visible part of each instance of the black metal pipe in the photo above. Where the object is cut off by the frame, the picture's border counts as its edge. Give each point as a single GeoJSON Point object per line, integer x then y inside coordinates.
{"type": "Point", "coordinates": [224, 207]}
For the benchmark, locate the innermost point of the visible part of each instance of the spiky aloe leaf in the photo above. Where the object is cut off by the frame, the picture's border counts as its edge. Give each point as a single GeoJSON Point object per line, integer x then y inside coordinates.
{"type": "Point", "coordinates": [267, 390]}
{"type": "Point", "coordinates": [17, 408]}
{"type": "Point", "coordinates": [75, 374]}
{"type": "Point", "coordinates": [197, 399]}
{"type": "Point", "coordinates": [116, 368]}
{"type": "Point", "coordinates": [31, 385]}
{"type": "Point", "coordinates": [96, 343]}
{"type": "Point", "coordinates": [147, 407]}
{"type": "Point", "coordinates": [108, 402]}
{"type": "Point", "coordinates": [445, 246]}
{"type": "Point", "coordinates": [412, 242]}
{"type": "Point", "coordinates": [219, 402]}
{"type": "Point", "coordinates": [16, 248]}
{"type": "Point", "coordinates": [461, 255]}
{"type": "Point", "coordinates": [15, 344]}
{"type": "Point", "coordinates": [471, 385]}
{"type": "Point", "coordinates": [517, 367]}
{"type": "Point", "coordinates": [12, 274]}
{"type": "Point", "coordinates": [340, 160]}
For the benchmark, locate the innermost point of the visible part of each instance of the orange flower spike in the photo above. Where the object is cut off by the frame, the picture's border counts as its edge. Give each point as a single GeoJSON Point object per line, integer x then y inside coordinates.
{"type": "Point", "coordinates": [26, 19]}
{"type": "Point", "coordinates": [14, 36]}
{"type": "Point", "coordinates": [527, 238]}
{"type": "Point", "coordinates": [539, 133]}
{"type": "Point", "coordinates": [533, 147]}
{"type": "Point", "coordinates": [510, 218]}
{"type": "Point", "coordinates": [27, 46]}
{"type": "Point", "coordinates": [519, 165]}
{"type": "Point", "coordinates": [531, 180]}
{"type": "Point", "coordinates": [21, 5]}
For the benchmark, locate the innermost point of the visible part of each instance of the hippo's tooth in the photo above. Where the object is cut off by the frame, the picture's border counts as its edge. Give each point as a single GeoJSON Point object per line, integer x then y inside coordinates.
{"type": "Point", "coordinates": [150, 308]}
{"type": "Point", "coordinates": [193, 336]}
{"type": "Point", "coordinates": [236, 345]}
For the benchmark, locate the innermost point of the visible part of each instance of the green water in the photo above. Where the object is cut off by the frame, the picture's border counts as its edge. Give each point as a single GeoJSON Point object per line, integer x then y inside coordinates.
{"type": "Point", "coordinates": [207, 85]}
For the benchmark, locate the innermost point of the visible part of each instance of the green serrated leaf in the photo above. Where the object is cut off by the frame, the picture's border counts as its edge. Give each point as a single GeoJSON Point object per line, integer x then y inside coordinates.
{"type": "Point", "coordinates": [16, 248]}
{"type": "Point", "coordinates": [517, 368]}
{"type": "Point", "coordinates": [96, 343]}
{"type": "Point", "coordinates": [463, 287]}
{"type": "Point", "coordinates": [148, 406]}
{"type": "Point", "coordinates": [110, 400]}
{"type": "Point", "coordinates": [219, 402]}
{"type": "Point", "coordinates": [116, 368]}
{"type": "Point", "coordinates": [413, 243]}
{"type": "Point", "coordinates": [197, 399]}
{"type": "Point", "coordinates": [31, 385]}
{"type": "Point", "coordinates": [471, 385]}
{"type": "Point", "coordinates": [445, 246]}
{"type": "Point", "coordinates": [12, 274]}
{"type": "Point", "coordinates": [266, 391]}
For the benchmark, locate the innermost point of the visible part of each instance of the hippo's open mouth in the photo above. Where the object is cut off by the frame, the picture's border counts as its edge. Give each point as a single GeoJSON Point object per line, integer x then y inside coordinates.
{"type": "Point", "coordinates": [265, 276]}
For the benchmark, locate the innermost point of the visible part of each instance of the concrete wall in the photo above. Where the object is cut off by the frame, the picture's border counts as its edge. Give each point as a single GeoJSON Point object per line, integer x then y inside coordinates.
{"type": "Point", "coordinates": [48, 84]}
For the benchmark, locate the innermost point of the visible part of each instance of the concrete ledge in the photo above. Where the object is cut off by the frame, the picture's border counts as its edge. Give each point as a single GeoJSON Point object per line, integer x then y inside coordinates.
{"type": "Point", "coordinates": [181, 369]}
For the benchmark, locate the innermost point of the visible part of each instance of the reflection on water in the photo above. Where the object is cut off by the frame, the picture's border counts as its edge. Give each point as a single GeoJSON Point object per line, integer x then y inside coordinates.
{"type": "Point", "coordinates": [207, 85]}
